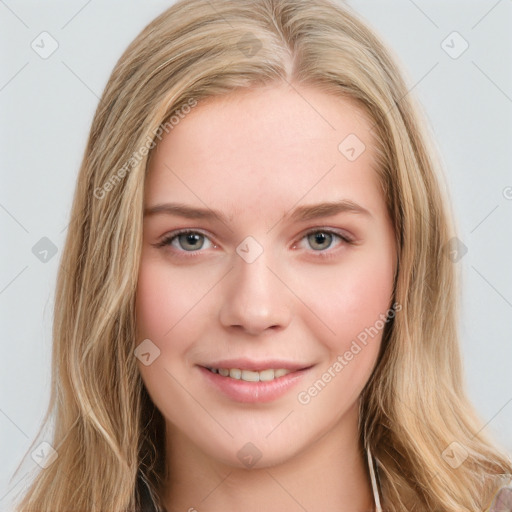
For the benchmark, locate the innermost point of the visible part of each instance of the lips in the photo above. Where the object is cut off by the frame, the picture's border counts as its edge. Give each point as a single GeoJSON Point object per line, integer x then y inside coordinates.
{"type": "Point", "coordinates": [246, 380]}
{"type": "Point", "coordinates": [255, 371]}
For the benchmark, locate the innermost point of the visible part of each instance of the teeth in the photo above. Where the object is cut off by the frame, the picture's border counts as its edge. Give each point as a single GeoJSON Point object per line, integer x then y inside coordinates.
{"type": "Point", "coordinates": [251, 376]}
{"type": "Point", "coordinates": [235, 373]}
{"type": "Point", "coordinates": [266, 375]}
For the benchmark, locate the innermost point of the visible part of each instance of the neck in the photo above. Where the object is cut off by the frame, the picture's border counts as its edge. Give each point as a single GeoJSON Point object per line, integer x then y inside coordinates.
{"type": "Point", "coordinates": [330, 474]}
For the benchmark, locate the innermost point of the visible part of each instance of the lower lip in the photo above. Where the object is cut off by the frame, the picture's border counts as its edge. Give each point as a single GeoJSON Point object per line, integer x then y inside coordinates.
{"type": "Point", "coordinates": [253, 392]}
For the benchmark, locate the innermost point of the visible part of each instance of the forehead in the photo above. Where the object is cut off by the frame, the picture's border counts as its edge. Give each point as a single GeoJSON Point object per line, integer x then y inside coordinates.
{"type": "Point", "coordinates": [266, 148]}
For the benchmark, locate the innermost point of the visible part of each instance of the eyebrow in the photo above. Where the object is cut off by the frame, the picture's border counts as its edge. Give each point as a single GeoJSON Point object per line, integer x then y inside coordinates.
{"type": "Point", "coordinates": [301, 213]}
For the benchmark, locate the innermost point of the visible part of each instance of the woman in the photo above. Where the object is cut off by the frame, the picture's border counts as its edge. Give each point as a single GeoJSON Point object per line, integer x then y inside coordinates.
{"type": "Point", "coordinates": [256, 306]}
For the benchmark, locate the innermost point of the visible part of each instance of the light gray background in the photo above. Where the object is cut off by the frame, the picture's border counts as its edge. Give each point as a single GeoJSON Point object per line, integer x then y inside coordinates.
{"type": "Point", "coordinates": [46, 111]}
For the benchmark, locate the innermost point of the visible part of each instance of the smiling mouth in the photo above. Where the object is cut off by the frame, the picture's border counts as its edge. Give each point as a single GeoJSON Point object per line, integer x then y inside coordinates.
{"type": "Point", "coordinates": [250, 375]}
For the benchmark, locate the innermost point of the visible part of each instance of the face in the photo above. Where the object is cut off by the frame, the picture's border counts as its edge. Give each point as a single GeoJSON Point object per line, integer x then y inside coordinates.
{"type": "Point", "coordinates": [268, 255]}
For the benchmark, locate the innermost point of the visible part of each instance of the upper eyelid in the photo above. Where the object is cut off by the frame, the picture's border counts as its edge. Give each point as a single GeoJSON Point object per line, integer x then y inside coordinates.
{"type": "Point", "coordinates": [345, 238]}
{"type": "Point", "coordinates": [167, 238]}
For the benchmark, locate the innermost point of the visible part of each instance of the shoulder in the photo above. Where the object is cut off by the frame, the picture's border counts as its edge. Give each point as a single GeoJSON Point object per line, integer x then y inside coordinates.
{"type": "Point", "coordinates": [502, 501]}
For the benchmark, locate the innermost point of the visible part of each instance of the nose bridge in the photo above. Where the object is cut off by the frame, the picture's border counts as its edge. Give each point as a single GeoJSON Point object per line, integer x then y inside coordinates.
{"type": "Point", "coordinates": [256, 299]}
{"type": "Point", "coordinates": [254, 278]}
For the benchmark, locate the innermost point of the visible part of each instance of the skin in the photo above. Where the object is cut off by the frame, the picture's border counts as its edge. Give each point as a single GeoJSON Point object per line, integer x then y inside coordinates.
{"type": "Point", "coordinates": [255, 156]}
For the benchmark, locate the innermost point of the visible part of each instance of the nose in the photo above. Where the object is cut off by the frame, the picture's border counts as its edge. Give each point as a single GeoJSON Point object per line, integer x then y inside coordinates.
{"type": "Point", "coordinates": [255, 299]}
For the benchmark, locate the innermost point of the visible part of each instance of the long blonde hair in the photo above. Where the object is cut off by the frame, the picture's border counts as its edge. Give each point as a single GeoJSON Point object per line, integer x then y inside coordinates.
{"type": "Point", "coordinates": [108, 434]}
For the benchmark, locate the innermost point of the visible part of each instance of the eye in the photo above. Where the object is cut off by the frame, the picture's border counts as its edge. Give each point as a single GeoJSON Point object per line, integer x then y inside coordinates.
{"type": "Point", "coordinates": [321, 239]}
{"type": "Point", "coordinates": [186, 241]}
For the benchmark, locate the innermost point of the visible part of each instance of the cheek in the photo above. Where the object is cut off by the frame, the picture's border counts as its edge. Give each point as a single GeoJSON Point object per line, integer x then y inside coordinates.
{"type": "Point", "coordinates": [165, 297]}
{"type": "Point", "coordinates": [351, 300]}
{"type": "Point", "coordinates": [167, 307]}
{"type": "Point", "coordinates": [355, 296]}
{"type": "Point", "coordinates": [153, 304]}
{"type": "Point", "coordinates": [359, 300]}
{"type": "Point", "coordinates": [353, 304]}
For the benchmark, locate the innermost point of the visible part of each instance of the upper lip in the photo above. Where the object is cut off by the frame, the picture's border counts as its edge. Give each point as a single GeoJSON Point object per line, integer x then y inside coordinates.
{"type": "Point", "coordinates": [249, 364]}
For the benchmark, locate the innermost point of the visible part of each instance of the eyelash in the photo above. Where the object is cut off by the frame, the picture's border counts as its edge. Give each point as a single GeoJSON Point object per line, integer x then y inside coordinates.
{"type": "Point", "coordinates": [167, 240]}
